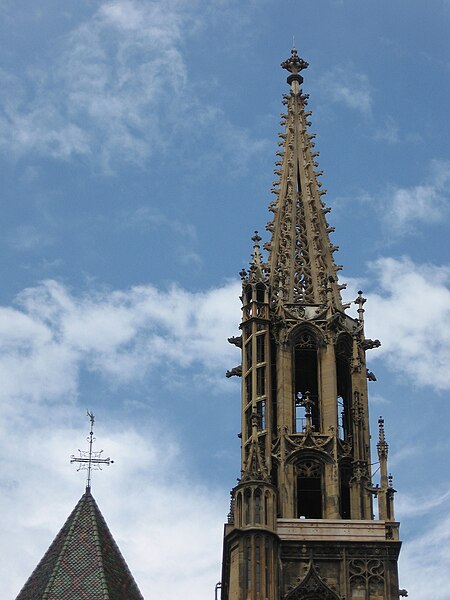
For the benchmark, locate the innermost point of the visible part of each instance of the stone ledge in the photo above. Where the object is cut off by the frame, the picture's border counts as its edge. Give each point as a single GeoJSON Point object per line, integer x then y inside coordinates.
{"type": "Point", "coordinates": [333, 530]}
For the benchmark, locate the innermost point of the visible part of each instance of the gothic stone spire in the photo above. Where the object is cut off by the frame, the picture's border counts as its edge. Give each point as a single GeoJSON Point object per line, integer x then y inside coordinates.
{"type": "Point", "coordinates": [301, 265]}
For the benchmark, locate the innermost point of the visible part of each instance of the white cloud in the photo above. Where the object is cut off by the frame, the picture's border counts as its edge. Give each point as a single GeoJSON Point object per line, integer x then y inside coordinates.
{"type": "Point", "coordinates": [117, 89]}
{"type": "Point", "coordinates": [52, 334]}
{"type": "Point", "coordinates": [152, 508]}
{"type": "Point", "coordinates": [410, 314]}
{"type": "Point", "coordinates": [344, 86]}
{"type": "Point", "coordinates": [425, 558]}
{"type": "Point", "coordinates": [120, 335]}
{"type": "Point", "coordinates": [45, 341]}
{"type": "Point", "coordinates": [423, 203]}
{"type": "Point", "coordinates": [408, 506]}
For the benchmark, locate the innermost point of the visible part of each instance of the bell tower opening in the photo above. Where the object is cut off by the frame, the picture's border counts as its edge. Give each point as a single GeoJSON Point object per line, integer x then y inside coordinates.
{"type": "Point", "coordinates": [345, 473]}
{"type": "Point", "coordinates": [306, 379]}
{"type": "Point", "coordinates": [344, 384]}
{"type": "Point", "coordinates": [309, 490]}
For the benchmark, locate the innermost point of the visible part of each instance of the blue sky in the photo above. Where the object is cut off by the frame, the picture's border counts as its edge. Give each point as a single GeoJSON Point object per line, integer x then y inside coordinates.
{"type": "Point", "coordinates": [137, 146]}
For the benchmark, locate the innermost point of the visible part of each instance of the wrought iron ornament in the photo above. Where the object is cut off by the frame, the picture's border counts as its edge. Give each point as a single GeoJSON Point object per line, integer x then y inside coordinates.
{"type": "Point", "coordinates": [90, 459]}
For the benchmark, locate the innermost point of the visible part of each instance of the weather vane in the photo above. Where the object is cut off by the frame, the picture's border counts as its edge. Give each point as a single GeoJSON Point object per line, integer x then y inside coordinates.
{"type": "Point", "coordinates": [90, 459]}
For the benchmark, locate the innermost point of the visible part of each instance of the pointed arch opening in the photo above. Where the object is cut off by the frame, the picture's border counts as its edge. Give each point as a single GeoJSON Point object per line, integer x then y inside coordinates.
{"type": "Point", "coordinates": [260, 292]}
{"type": "Point", "coordinates": [258, 507]}
{"type": "Point", "coordinates": [247, 503]}
{"type": "Point", "coordinates": [238, 517]}
{"type": "Point", "coordinates": [248, 294]}
{"type": "Point", "coordinates": [248, 565]}
{"type": "Point", "coordinates": [309, 489]}
{"type": "Point", "coordinates": [306, 377]}
{"type": "Point", "coordinates": [343, 353]}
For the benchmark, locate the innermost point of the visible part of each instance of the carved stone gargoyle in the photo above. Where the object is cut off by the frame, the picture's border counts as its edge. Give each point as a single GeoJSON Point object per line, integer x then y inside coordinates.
{"type": "Point", "coordinates": [234, 372]}
{"type": "Point", "coordinates": [236, 341]}
{"type": "Point", "coordinates": [368, 344]}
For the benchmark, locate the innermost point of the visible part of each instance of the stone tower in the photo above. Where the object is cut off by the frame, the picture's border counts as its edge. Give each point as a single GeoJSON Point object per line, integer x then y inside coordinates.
{"type": "Point", "coordinates": [301, 523]}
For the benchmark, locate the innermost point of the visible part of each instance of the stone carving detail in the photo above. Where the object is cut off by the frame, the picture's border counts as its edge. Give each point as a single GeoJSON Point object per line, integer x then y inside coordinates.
{"type": "Point", "coordinates": [369, 344]}
{"type": "Point", "coordinates": [234, 372]}
{"type": "Point", "coordinates": [312, 587]}
{"type": "Point", "coordinates": [305, 340]}
{"type": "Point", "coordinates": [300, 253]}
{"type": "Point", "coordinates": [236, 341]}
{"type": "Point", "coordinates": [309, 468]}
{"type": "Point", "coordinates": [367, 575]}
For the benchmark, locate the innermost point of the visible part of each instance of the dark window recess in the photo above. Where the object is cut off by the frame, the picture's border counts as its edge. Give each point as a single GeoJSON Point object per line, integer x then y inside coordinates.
{"type": "Point", "coordinates": [248, 355]}
{"type": "Point", "coordinates": [309, 490]}
{"type": "Point", "coordinates": [248, 387]}
{"type": "Point", "coordinates": [248, 294]}
{"type": "Point", "coordinates": [345, 475]}
{"type": "Point", "coordinates": [306, 380]}
{"type": "Point", "coordinates": [260, 292]}
{"type": "Point", "coordinates": [261, 381]}
{"type": "Point", "coordinates": [261, 411]}
{"type": "Point", "coordinates": [247, 497]}
{"type": "Point", "coordinates": [258, 506]}
{"type": "Point", "coordinates": [257, 567]}
{"type": "Point", "coordinates": [260, 353]}
{"type": "Point", "coordinates": [344, 385]}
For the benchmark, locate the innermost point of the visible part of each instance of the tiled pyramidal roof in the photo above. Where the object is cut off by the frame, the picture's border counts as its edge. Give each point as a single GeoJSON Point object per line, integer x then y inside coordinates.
{"type": "Point", "coordinates": [83, 562]}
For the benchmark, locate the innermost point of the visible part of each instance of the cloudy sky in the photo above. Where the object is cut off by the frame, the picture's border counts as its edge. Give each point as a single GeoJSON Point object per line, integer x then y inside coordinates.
{"type": "Point", "coordinates": [137, 142]}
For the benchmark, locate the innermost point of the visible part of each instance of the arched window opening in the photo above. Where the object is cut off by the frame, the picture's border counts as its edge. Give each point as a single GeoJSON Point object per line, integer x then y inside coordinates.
{"type": "Point", "coordinates": [257, 565]}
{"type": "Point", "coordinates": [248, 294]}
{"type": "Point", "coordinates": [248, 355]}
{"type": "Point", "coordinates": [247, 497]}
{"type": "Point", "coordinates": [258, 506]}
{"type": "Point", "coordinates": [260, 292]}
{"type": "Point", "coordinates": [260, 349]}
{"type": "Point", "coordinates": [248, 570]}
{"type": "Point", "coordinates": [239, 510]}
{"type": "Point", "coordinates": [344, 483]}
{"type": "Point", "coordinates": [266, 568]}
{"type": "Point", "coordinates": [248, 387]}
{"type": "Point", "coordinates": [309, 490]}
{"type": "Point", "coordinates": [248, 422]}
{"type": "Point", "coordinates": [306, 379]}
{"type": "Point", "coordinates": [266, 510]}
{"type": "Point", "coordinates": [261, 381]}
{"type": "Point", "coordinates": [261, 412]}
{"type": "Point", "coordinates": [344, 384]}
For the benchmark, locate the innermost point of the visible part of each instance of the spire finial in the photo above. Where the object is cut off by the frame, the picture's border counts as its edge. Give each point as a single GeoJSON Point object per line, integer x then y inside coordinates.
{"type": "Point", "coordinates": [294, 64]}
{"type": "Point", "coordinates": [90, 459]}
{"type": "Point", "coordinates": [382, 445]}
{"type": "Point", "coordinates": [360, 301]}
{"type": "Point", "coordinates": [256, 238]}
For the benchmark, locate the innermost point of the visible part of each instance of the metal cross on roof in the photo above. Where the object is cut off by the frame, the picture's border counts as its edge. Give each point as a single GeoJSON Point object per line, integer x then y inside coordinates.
{"type": "Point", "coordinates": [90, 459]}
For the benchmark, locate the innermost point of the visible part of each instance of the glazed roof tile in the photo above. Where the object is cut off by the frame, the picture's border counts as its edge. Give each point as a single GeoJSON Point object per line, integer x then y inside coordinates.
{"type": "Point", "coordinates": [83, 562]}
